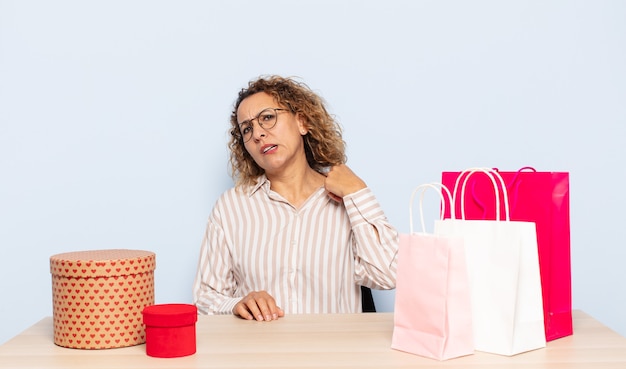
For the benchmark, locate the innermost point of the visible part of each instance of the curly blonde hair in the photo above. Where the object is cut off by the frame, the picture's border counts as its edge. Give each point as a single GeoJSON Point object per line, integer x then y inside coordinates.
{"type": "Point", "coordinates": [323, 143]}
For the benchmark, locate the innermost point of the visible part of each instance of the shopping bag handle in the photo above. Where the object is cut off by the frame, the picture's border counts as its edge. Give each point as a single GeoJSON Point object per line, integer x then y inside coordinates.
{"type": "Point", "coordinates": [440, 188]}
{"type": "Point", "coordinates": [512, 189]}
{"type": "Point", "coordinates": [493, 175]}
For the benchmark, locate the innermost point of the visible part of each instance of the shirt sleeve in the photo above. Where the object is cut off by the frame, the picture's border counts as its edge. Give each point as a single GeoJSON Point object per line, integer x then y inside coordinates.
{"type": "Point", "coordinates": [214, 285]}
{"type": "Point", "coordinates": [374, 241]}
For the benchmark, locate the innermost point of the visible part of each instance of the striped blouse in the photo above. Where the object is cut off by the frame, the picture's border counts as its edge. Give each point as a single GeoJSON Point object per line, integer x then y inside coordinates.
{"type": "Point", "coordinates": [311, 259]}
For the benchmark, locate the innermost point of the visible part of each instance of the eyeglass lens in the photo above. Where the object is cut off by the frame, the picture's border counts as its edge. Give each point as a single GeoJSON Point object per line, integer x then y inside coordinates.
{"type": "Point", "coordinates": [266, 119]}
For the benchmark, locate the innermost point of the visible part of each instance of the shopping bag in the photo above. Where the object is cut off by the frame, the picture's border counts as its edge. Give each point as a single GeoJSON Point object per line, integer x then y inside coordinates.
{"type": "Point", "coordinates": [432, 315]}
{"type": "Point", "coordinates": [543, 198]}
{"type": "Point", "coordinates": [503, 268]}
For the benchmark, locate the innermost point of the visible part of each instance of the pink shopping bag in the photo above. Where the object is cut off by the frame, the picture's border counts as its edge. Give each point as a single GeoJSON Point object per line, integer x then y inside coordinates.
{"type": "Point", "coordinates": [543, 198]}
{"type": "Point", "coordinates": [432, 314]}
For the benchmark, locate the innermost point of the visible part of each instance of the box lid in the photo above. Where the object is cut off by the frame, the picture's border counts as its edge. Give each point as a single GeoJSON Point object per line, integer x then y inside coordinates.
{"type": "Point", "coordinates": [170, 315]}
{"type": "Point", "coordinates": [102, 263]}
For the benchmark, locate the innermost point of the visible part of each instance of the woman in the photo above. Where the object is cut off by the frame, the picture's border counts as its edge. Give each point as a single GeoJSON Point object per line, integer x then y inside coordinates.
{"type": "Point", "coordinates": [299, 232]}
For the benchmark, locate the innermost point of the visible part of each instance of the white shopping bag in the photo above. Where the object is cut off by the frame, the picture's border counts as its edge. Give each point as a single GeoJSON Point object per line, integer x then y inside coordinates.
{"type": "Point", "coordinates": [503, 268]}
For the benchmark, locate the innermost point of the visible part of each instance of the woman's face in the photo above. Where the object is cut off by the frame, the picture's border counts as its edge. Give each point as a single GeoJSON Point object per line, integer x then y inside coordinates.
{"type": "Point", "coordinates": [275, 149]}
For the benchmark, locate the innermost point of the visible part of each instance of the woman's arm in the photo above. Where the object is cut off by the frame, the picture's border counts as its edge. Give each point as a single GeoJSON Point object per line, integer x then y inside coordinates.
{"type": "Point", "coordinates": [375, 241]}
{"type": "Point", "coordinates": [214, 285]}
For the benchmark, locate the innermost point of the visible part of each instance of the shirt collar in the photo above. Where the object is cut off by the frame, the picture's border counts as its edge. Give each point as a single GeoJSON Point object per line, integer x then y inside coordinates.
{"type": "Point", "coordinates": [261, 182]}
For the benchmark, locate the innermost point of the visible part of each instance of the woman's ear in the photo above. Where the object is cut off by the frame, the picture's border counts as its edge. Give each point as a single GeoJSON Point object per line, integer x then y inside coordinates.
{"type": "Point", "coordinates": [302, 126]}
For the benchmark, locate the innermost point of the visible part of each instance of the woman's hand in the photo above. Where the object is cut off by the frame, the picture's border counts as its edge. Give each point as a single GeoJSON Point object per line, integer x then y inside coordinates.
{"type": "Point", "coordinates": [258, 305]}
{"type": "Point", "coordinates": [341, 181]}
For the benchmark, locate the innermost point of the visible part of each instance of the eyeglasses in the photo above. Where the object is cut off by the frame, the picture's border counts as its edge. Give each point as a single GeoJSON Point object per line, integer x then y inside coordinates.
{"type": "Point", "coordinates": [266, 119]}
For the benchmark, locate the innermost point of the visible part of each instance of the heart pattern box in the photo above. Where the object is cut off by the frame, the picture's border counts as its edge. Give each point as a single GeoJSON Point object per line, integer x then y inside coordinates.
{"type": "Point", "coordinates": [98, 297]}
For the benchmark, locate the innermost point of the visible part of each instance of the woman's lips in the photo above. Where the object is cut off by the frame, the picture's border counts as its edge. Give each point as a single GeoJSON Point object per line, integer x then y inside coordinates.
{"type": "Point", "coordinates": [266, 149]}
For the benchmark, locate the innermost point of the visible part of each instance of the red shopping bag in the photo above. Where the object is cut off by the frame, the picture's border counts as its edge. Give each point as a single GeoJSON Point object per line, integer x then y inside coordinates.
{"type": "Point", "coordinates": [543, 198]}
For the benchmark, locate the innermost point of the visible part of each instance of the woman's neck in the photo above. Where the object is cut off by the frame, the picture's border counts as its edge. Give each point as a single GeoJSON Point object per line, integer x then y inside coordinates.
{"type": "Point", "coordinates": [296, 186]}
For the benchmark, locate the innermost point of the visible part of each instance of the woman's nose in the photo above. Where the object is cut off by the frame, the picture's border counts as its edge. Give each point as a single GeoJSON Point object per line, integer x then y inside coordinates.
{"type": "Point", "coordinates": [258, 132]}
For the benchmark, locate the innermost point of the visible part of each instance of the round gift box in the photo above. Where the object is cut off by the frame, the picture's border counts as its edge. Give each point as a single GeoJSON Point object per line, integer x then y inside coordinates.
{"type": "Point", "coordinates": [98, 297]}
{"type": "Point", "coordinates": [170, 329]}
